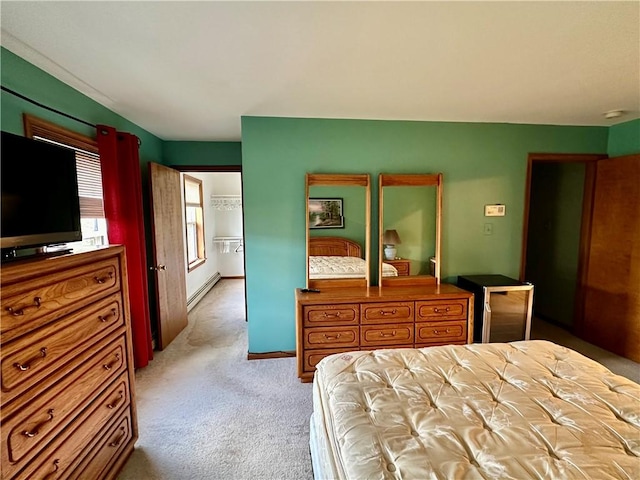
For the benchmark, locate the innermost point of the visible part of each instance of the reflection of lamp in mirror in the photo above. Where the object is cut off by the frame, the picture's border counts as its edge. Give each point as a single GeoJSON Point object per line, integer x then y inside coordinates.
{"type": "Point", "coordinates": [390, 239]}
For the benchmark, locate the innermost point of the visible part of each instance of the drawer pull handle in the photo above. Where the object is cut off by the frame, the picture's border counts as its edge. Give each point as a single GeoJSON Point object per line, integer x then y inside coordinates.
{"type": "Point", "coordinates": [441, 310]}
{"type": "Point", "coordinates": [331, 315]}
{"type": "Point", "coordinates": [36, 430]}
{"type": "Point", "coordinates": [115, 403]}
{"type": "Point", "coordinates": [386, 312]}
{"type": "Point", "coordinates": [23, 367]}
{"type": "Point", "coordinates": [392, 334]}
{"type": "Point", "coordinates": [56, 466]}
{"type": "Point", "coordinates": [102, 280]}
{"type": "Point", "coordinates": [109, 366]}
{"type": "Point", "coordinates": [117, 441]}
{"type": "Point", "coordinates": [105, 318]}
{"type": "Point", "coordinates": [20, 311]}
{"type": "Point", "coordinates": [441, 332]}
{"type": "Point", "coordinates": [332, 337]}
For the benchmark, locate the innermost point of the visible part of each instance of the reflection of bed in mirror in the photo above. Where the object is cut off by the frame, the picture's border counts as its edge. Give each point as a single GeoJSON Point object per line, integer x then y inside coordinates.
{"type": "Point", "coordinates": [338, 257]}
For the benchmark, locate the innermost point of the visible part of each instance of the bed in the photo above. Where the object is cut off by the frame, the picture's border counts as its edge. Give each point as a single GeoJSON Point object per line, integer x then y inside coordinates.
{"type": "Point", "coordinates": [529, 409]}
{"type": "Point", "coordinates": [338, 257]}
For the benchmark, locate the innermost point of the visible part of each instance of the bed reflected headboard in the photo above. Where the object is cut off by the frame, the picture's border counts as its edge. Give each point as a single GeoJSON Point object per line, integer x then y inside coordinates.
{"type": "Point", "coordinates": [334, 246]}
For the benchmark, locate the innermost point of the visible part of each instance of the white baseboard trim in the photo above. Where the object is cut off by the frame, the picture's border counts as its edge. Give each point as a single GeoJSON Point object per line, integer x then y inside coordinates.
{"type": "Point", "coordinates": [193, 300]}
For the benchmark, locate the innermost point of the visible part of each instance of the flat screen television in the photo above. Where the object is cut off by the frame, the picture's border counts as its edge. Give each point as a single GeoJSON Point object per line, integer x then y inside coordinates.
{"type": "Point", "coordinates": [40, 204]}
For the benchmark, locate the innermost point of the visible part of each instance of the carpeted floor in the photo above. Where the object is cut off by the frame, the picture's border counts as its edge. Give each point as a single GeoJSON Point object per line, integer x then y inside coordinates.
{"type": "Point", "coordinates": [206, 412]}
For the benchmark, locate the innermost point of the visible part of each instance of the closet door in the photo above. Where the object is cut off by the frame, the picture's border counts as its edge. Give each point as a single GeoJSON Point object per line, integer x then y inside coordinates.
{"type": "Point", "coordinates": [612, 291]}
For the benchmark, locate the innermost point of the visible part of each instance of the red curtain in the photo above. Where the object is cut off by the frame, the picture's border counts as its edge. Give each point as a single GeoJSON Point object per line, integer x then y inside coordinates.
{"type": "Point", "coordinates": [122, 190]}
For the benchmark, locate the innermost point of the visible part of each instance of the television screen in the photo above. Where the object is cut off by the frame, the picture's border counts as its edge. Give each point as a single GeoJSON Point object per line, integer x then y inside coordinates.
{"type": "Point", "coordinates": [40, 204]}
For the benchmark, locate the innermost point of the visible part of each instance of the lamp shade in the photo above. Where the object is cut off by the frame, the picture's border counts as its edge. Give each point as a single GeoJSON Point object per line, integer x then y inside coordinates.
{"type": "Point", "coordinates": [391, 237]}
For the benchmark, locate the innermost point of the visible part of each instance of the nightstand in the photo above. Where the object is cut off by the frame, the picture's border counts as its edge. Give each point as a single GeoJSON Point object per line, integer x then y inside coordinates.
{"type": "Point", "coordinates": [401, 264]}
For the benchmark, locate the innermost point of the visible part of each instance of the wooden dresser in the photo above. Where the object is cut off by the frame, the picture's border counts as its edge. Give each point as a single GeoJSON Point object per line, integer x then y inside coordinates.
{"type": "Point", "coordinates": [67, 398]}
{"type": "Point", "coordinates": [344, 319]}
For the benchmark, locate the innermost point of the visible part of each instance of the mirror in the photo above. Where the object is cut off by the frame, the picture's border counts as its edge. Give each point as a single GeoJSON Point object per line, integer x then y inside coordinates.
{"type": "Point", "coordinates": [409, 229]}
{"type": "Point", "coordinates": [338, 224]}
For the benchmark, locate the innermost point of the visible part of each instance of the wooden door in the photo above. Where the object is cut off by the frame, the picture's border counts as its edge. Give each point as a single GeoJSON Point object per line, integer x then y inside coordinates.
{"type": "Point", "coordinates": [612, 291]}
{"type": "Point", "coordinates": [168, 252]}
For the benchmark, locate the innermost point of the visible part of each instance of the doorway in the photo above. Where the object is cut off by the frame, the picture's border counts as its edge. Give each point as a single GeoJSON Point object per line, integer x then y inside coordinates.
{"type": "Point", "coordinates": [223, 227]}
{"type": "Point", "coordinates": [557, 226]}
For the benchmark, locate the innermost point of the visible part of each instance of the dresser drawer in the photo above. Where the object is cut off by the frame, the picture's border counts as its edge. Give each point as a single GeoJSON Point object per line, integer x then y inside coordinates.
{"type": "Point", "coordinates": [28, 305]}
{"type": "Point", "coordinates": [78, 436]}
{"type": "Point", "coordinates": [27, 432]}
{"type": "Point", "coordinates": [322, 315]}
{"type": "Point", "coordinates": [111, 446]}
{"type": "Point", "coordinates": [331, 337]}
{"type": "Point", "coordinates": [441, 310]}
{"type": "Point", "coordinates": [396, 334]}
{"type": "Point", "coordinates": [31, 357]}
{"type": "Point", "coordinates": [47, 417]}
{"type": "Point", "coordinates": [395, 312]}
{"type": "Point", "coordinates": [312, 357]}
{"type": "Point", "coordinates": [441, 332]}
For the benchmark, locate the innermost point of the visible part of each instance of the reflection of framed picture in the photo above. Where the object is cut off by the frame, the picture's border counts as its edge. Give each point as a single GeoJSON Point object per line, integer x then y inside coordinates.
{"type": "Point", "coordinates": [325, 213]}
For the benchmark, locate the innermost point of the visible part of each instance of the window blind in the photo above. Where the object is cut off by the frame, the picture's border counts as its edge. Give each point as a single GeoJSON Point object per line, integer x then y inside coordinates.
{"type": "Point", "coordinates": [89, 180]}
{"type": "Point", "coordinates": [89, 185]}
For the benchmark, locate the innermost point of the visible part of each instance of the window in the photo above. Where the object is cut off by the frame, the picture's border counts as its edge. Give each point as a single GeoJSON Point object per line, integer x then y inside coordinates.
{"type": "Point", "coordinates": [92, 221]}
{"type": "Point", "coordinates": [194, 220]}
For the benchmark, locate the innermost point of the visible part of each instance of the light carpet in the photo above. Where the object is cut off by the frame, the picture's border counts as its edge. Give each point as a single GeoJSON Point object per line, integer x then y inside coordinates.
{"type": "Point", "coordinates": [206, 412]}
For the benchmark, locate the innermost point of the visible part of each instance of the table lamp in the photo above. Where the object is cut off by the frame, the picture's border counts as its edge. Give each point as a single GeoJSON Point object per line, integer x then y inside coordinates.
{"type": "Point", "coordinates": [390, 239]}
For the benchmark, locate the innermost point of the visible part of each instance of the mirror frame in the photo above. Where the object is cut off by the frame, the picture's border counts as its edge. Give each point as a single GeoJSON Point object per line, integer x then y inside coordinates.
{"type": "Point", "coordinates": [409, 180]}
{"type": "Point", "coordinates": [340, 180]}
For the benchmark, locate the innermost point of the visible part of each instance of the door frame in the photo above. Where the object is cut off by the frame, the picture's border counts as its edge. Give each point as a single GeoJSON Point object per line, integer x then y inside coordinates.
{"type": "Point", "coordinates": [589, 160]}
{"type": "Point", "coordinates": [222, 169]}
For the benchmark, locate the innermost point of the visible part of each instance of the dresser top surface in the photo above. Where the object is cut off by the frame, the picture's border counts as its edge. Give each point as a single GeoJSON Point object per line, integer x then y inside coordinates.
{"type": "Point", "coordinates": [382, 294]}
{"type": "Point", "coordinates": [25, 269]}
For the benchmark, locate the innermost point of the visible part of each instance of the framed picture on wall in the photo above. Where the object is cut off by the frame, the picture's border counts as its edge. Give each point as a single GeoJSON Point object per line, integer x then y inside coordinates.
{"type": "Point", "coordinates": [325, 213]}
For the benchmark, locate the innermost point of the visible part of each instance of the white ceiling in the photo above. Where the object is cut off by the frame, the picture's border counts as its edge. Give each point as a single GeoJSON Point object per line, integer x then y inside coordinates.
{"type": "Point", "coordinates": [190, 70]}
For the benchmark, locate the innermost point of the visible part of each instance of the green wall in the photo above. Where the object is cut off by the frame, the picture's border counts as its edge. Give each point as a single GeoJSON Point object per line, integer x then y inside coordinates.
{"type": "Point", "coordinates": [481, 163]}
{"type": "Point", "coordinates": [411, 212]}
{"type": "Point", "coordinates": [202, 153]}
{"type": "Point", "coordinates": [624, 138]}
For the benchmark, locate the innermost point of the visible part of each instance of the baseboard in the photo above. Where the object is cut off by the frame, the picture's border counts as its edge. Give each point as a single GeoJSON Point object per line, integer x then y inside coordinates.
{"type": "Point", "coordinates": [237, 277]}
{"type": "Point", "coordinates": [193, 300]}
{"type": "Point", "coordinates": [263, 356]}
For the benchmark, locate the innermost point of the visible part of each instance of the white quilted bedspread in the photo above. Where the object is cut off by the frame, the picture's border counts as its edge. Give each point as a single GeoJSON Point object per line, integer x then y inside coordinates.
{"type": "Point", "coordinates": [515, 411]}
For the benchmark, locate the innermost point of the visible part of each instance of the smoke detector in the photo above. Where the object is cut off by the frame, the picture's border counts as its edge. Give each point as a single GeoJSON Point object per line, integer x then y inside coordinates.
{"type": "Point", "coordinates": [613, 114]}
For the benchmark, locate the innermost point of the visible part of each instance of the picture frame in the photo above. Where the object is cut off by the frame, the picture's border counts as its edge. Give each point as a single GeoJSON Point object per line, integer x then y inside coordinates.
{"type": "Point", "coordinates": [325, 213]}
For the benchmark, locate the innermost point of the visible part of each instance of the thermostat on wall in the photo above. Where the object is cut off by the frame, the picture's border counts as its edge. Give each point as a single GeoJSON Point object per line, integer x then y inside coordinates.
{"type": "Point", "coordinates": [494, 210]}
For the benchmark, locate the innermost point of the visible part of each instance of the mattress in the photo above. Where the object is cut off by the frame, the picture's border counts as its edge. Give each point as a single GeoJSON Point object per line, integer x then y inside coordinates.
{"type": "Point", "coordinates": [324, 267]}
{"type": "Point", "coordinates": [520, 410]}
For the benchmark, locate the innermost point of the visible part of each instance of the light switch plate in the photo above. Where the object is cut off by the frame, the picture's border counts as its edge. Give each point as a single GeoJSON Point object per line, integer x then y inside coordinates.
{"type": "Point", "coordinates": [495, 210]}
